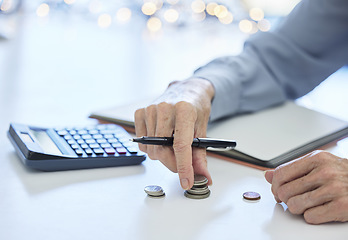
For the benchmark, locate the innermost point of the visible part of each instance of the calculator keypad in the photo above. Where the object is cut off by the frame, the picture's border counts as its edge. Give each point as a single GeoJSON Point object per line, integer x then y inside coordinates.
{"type": "Point", "coordinates": [99, 140]}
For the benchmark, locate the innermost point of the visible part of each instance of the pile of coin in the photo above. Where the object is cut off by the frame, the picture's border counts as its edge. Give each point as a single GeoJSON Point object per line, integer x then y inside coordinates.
{"type": "Point", "coordinates": [200, 189]}
{"type": "Point", "coordinates": [154, 191]}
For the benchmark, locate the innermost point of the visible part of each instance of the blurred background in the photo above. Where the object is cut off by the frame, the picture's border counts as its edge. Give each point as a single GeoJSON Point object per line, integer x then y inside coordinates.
{"type": "Point", "coordinates": [62, 59]}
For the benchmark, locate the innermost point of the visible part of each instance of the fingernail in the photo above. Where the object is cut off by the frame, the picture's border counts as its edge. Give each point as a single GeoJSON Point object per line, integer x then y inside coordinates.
{"type": "Point", "coordinates": [184, 183]}
{"type": "Point", "coordinates": [264, 173]}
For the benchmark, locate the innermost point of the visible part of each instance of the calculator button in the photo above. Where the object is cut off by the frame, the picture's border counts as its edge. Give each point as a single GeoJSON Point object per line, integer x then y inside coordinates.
{"type": "Point", "coordinates": [62, 133]}
{"type": "Point", "coordinates": [97, 136]}
{"type": "Point", "coordinates": [72, 132]}
{"type": "Point", "coordinates": [71, 141]}
{"type": "Point", "coordinates": [75, 146]}
{"type": "Point", "coordinates": [67, 137]}
{"type": "Point", "coordinates": [112, 140]}
{"type": "Point", "coordinates": [108, 136]}
{"type": "Point", "coordinates": [121, 150]}
{"type": "Point", "coordinates": [80, 141]}
{"type": "Point", "coordinates": [102, 140]}
{"type": "Point", "coordinates": [86, 136]}
{"type": "Point", "coordinates": [89, 151]}
{"type": "Point", "coordinates": [79, 152]}
{"type": "Point", "coordinates": [98, 151]}
{"type": "Point", "coordinates": [130, 144]}
{"type": "Point", "coordinates": [105, 145]}
{"type": "Point", "coordinates": [94, 145]}
{"type": "Point", "coordinates": [132, 150]}
{"type": "Point", "coordinates": [82, 132]}
{"type": "Point", "coordinates": [117, 145]}
{"type": "Point", "coordinates": [77, 137]}
{"type": "Point", "coordinates": [110, 151]}
{"type": "Point", "coordinates": [92, 132]}
{"type": "Point", "coordinates": [90, 141]}
{"type": "Point", "coordinates": [84, 146]}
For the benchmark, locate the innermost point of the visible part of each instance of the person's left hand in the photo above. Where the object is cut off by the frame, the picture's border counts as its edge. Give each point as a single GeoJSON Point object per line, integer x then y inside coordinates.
{"type": "Point", "coordinates": [315, 185]}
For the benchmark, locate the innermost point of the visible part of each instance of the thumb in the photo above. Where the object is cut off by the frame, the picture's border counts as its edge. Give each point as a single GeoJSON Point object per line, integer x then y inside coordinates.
{"type": "Point", "coordinates": [269, 175]}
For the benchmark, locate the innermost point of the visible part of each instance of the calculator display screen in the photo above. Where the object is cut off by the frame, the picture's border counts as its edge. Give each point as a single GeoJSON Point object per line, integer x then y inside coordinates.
{"type": "Point", "coordinates": [46, 142]}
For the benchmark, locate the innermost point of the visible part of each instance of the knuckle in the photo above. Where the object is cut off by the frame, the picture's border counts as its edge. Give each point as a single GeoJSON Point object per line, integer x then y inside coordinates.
{"type": "Point", "coordinates": [139, 113]}
{"type": "Point", "coordinates": [180, 146]}
{"type": "Point", "coordinates": [336, 187]}
{"type": "Point", "coordinates": [322, 156]}
{"type": "Point", "coordinates": [164, 107]}
{"type": "Point", "coordinates": [185, 109]}
{"type": "Point", "coordinates": [327, 173]}
{"type": "Point", "coordinates": [150, 110]}
{"type": "Point", "coordinates": [294, 206]}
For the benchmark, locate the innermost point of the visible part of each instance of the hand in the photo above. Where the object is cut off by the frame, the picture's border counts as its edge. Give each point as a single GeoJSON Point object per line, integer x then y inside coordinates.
{"type": "Point", "coordinates": [315, 185]}
{"type": "Point", "coordinates": [182, 110]}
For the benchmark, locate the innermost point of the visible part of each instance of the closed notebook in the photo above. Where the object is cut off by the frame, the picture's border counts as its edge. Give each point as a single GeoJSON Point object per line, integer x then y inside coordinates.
{"type": "Point", "coordinates": [266, 138]}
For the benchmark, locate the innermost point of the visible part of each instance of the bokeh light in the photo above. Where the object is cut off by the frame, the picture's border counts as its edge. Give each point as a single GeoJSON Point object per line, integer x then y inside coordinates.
{"type": "Point", "coordinates": [227, 19]}
{"type": "Point", "coordinates": [154, 24]}
{"type": "Point", "coordinates": [264, 25]}
{"type": "Point", "coordinates": [149, 8]}
{"type": "Point", "coordinates": [256, 14]}
{"type": "Point", "coordinates": [211, 8]}
{"type": "Point", "coordinates": [220, 11]}
{"type": "Point", "coordinates": [198, 6]}
{"type": "Point", "coordinates": [245, 26]}
{"type": "Point", "coordinates": [171, 15]}
{"type": "Point", "coordinates": [104, 20]}
{"type": "Point", "coordinates": [69, 2]}
{"type": "Point", "coordinates": [43, 10]}
{"type": "Point", "coordinates": [123, 14]}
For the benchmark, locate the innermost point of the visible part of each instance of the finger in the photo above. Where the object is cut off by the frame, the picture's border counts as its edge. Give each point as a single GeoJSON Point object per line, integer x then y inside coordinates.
{"type": "Point", "coordinates": [150, 121]}
{"type": "Point", "coordinates": [299, 186]}
{"type": "Point", "coordinates": [300, 203]}
{"type": "Point", "coordinates": [140, 126]}
{"type": "Point", "coordinates": [199, 163]}
{"type": "Point", "coordinates": [183, 136]}
{"type": "Point", "coordinates": [199, 155]}
{"type": "Point", "coordinates": [292, 170]}
{"type": "Point", "coordinates": [328, 212]}
{"type": "Point", "coordinates": [269, 175]}
{"type": "Point", "coordinates": [164, 128]}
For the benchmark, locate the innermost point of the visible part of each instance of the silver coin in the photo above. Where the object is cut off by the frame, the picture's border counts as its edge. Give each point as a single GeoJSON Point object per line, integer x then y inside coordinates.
{"type": "Point", "coordinates": [196, 196]}
{"type": "Point", "coordinates": [200, 180]}
{"type": "Point", "coordinates": [198, 190]}
{"type": "Point", "coordinates": [154, 191]}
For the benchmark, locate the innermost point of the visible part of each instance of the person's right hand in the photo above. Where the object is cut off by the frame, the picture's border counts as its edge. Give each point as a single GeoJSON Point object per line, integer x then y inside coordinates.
{"type": "Point", "coordinates": [183, 110]}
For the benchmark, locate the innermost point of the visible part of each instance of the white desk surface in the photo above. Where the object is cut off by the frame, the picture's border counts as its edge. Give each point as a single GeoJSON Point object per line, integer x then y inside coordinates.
{"type": "Point", "coordinates": [55, 74]}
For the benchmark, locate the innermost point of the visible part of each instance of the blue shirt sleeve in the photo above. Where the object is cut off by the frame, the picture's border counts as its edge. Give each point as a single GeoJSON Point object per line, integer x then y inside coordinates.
{"type": "Point", "coordinates": [304, 50]}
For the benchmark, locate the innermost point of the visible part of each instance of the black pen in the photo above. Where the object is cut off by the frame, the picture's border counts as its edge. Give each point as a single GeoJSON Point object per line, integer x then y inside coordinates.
{"type": "Point", "coordinates": [197, 142]}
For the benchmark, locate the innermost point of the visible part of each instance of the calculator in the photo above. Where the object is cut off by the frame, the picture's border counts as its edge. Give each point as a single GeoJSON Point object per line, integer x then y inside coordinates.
{"type": "Point", "coordinates": [56, 149]}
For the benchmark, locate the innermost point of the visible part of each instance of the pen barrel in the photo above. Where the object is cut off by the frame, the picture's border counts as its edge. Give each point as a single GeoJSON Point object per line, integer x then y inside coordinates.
{"type": "Point", "coordinates": [212, 142]}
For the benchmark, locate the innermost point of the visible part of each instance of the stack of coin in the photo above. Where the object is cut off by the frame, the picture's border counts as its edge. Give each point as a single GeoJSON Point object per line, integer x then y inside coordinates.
{"type": "Point", "coordinates": [154, 191]}
{"type": "Point", "coordinates": [200, 189]}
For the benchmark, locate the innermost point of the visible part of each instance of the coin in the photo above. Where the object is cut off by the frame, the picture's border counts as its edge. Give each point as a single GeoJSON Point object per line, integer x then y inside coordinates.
{"type": "Point", "coordinates": [198, 190]}
{"type": "Point", "coordinates": [200, 180]}
{"type": "Point", "coordinates": [251, 196]}
{"type": "Point", "coordinates": [196, 196]}
{"type": "Point", "coordinates": [154, 191]}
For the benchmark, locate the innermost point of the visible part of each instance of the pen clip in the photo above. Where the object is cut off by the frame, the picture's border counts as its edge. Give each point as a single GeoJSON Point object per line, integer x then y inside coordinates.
{"type": "Point", "coordinates": [219, 149]}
